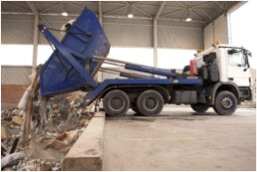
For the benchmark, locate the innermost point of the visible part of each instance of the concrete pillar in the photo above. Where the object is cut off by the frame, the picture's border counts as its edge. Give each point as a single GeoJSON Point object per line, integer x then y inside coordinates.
{"type": "Point", "coordinates": [35, 43]}
{"type": "Point", "coordinates": [100, 12]}
{"type": "Point", "coordinates": [155, 43]}
{"type": "Point", "coordinates": [100, 17]}
{"type": "Point", "coordinates": [155, 34]}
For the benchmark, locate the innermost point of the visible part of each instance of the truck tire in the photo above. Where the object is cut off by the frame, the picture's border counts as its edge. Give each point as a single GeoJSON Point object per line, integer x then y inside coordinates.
{"type": "Point", "coordinates": [225, 103]}
{"type": "Point", "coordinates": [150, 102]}
{"type": "Point", "coordinates": [200, 107]}
{"type": "Point", "coordinates": [116, 103]}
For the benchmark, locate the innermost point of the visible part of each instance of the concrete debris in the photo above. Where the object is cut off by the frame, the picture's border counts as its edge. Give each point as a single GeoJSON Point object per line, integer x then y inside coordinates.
{"type": "Point", "coordinates": [84, 122]}
{"type": "Point", "coordinates": [55, 144]}
{"type": "Point", "coordinates": [24, 99]}
{"type": "Point", "coordinates": [11, 158]}
{"type": "Point", "coordinates": [45, 167]}
{"type": "Point", "coordinates": [17, 120]}
{"type": "Point", "coordinates": [56, 124]}
{"type": "Point", "coordinates": [61, 136]}
{"type": "Point", "coordinates": [72, 136]}
{"type": "Point", "coordinates": [3, 133]}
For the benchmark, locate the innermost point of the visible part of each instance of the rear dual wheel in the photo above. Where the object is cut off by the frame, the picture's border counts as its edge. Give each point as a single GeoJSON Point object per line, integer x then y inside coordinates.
{"type": "Point", "coordinates": [150, 102]}
{"type": "Point", "coordinates": [116, 103]}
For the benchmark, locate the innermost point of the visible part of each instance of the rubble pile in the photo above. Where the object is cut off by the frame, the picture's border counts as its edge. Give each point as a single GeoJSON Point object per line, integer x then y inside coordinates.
{"type": "Point", "coordinates": [56, 125]}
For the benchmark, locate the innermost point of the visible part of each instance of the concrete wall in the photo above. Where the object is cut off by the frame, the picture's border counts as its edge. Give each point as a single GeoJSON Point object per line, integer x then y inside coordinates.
{"type": "Point", "coordinates": [14, 81]}
{"type": "Point", "coordinates": [216, 30]}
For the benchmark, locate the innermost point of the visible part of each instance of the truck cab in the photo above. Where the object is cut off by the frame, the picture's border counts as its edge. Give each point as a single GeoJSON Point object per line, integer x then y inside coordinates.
{"type": "Point", "coordinates": [233, 67]}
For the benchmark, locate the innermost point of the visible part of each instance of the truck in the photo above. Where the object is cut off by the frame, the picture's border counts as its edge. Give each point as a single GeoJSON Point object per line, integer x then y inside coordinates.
{"type": "Point", "coordinates": [218, 77]}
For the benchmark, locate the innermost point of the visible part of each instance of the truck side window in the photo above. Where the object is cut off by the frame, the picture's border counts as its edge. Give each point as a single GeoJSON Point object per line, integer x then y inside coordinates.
{"type": "Point", "coordinates": [235, 58]}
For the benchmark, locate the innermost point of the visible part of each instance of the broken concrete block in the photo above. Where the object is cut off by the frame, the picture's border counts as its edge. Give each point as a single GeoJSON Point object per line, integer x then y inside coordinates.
{"type": "Point", "coordinates": [84, 122]}
{"type": "Point", "coordinates": [61, 136]}
{"type": "Point", "coordinates": [3, 133]}
{"type": "Point", "coordinates": [65, 150]}
{"type": "Point", "coordinates": [55, 144]}
{"type": "Point", "coordinates": [10, 158]}
{"type": "Point", "coordinates": [54, 106]}
{"type": "Point", "coordinates": [45, 167]}
{"type": "Point", "coordinates": [17, 120]}
{"type": "Point", "coordinates": [71, 135]}
{"type": "Point", "coordinates": [56, 111]}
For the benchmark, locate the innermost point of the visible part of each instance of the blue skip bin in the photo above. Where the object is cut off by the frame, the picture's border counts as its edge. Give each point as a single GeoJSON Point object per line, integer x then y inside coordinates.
{"type": "Point", "coordinates": [70, 67]}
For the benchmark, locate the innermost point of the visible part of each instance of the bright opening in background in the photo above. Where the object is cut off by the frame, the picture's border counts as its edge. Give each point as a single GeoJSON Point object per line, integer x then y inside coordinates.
{"type": "Point", "coordinates": [21, 55]}
{"type": "Point", "coordinates": [174, 58]}
{"type": "Point", "coordinates": [243, 29]}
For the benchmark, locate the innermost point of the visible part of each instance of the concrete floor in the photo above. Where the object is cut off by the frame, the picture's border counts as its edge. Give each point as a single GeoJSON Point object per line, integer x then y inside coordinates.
{"type": "Point", "coordinates": [179, 139]}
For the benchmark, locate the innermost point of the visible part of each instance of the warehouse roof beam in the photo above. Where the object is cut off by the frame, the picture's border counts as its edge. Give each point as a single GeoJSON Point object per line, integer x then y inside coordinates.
{"type": "Point", "coordinates": [106, 16]}
{"type": "Point", "coordinates": [32, 7]}
{"type": "Point", "coordinates": [76, 6]}
{"type": "Point", "coordinates": [203, 4]}
{"type": "Point", "coordinates": [117, 9]}
{"type": "Point", "coordinates": [206, 14]}
{"type": "Point", "coordinates": [159, 10]}
{"type": "Point", "coordinates": [221, 6]}
{"type": "Point", "coordinates": [171, 13]}
{"type": "Point", "coordinates": [45, 21]}
{"type": "Point", "coordinates": [17, 6]}
{"type": "Point", "coordinates": [203, 12]}
{"type": "Point", "coordinates": [142, 11]}
{"type": "Point", "coordinates": [181, 4]}
{"type": "Point", "coordinates": [51, 7]}
{"type": "Point", "coordinates": [198, 15]}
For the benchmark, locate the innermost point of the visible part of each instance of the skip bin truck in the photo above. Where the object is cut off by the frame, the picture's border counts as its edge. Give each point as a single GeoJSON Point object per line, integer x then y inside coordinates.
{"type": "Point", "coordinates": [218, 77]}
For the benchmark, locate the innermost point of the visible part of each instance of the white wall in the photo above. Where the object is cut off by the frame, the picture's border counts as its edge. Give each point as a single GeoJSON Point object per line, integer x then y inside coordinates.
{"type": "Point", "coordinates": [216, 30]}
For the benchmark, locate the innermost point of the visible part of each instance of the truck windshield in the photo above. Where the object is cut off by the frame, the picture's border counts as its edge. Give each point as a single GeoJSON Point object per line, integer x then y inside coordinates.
{"type": "Point", "coordinates": [236, 58]}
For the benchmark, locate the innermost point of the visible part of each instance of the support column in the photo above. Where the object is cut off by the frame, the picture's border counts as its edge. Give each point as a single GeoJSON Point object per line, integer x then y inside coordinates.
{"type": "Point", "coordinates": [155, 34]}
{"type": "Point", "coordinates": [35, 43]}
{"type": "Point", "coordinates": [100, 12]}
{"type": "Point", "coordinates": [155, 43]}
{"type": "Point", "coordinates": [36, 34]}
{"type": "Point", "coordinates": [99, 77]}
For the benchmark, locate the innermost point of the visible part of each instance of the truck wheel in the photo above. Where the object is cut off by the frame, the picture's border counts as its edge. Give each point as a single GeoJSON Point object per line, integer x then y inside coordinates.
{"type": "Point", "coordinates": [225, 103]}
{"type": "Point", "coordinates": [150, 102]}
{"type": "Point", "coordinates": [116, 103]}
{"type": "Point", "coordinates": [200, 107]}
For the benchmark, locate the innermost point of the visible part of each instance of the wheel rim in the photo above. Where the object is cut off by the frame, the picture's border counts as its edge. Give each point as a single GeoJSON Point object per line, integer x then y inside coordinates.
{"type": "Point", "coordinates": [116, 103]}
{"type": "Point", "coordinates": [226, 103]}
{"type": "Point", "coordinates": [150, 103]}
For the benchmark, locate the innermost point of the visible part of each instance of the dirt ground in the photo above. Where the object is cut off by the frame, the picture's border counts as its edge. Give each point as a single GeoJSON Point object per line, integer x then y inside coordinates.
{"type": "Point", "coordinates": [179, 139]}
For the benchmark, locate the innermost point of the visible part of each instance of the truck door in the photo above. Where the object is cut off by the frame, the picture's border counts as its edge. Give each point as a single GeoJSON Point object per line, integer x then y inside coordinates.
{"type": "Point", "coordinates": [237, 70]}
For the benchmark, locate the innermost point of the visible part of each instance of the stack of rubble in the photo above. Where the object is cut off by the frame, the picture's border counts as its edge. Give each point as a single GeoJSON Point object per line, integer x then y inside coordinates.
{"type": "Point", "coordinates": [56, 125]}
